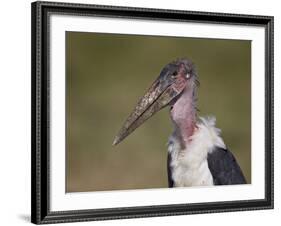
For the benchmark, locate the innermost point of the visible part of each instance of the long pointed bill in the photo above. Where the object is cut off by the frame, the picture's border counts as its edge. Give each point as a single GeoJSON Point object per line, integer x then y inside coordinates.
{"type": "Point", "coordinates": [157, 97]}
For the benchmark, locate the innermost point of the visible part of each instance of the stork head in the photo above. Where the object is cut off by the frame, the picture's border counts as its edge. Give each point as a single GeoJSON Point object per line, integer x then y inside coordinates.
{"type": "Point", "coordinates": [174, 79]}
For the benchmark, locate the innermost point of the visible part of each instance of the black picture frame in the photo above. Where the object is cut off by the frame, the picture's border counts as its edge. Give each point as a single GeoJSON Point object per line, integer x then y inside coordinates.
{"type": "Point", "coordinates": [40, 208]}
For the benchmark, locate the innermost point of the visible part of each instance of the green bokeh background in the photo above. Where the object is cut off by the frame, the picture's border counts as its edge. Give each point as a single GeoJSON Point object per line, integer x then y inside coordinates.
{"type": "Point", "coordinates": [108, 73]}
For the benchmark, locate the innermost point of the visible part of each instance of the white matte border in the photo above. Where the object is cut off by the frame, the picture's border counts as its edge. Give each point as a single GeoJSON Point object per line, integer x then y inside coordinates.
{"type": "Point", "coordinates": [59, 200]}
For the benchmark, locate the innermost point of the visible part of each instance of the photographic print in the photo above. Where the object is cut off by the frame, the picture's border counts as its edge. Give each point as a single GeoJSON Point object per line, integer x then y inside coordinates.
{"type": "Point", "coordinates": [203, 87]}
{"type": "Point", "coordinates": [146, 112]}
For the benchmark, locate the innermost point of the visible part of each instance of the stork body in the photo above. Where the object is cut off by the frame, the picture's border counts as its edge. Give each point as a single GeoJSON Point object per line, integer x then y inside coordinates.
{"type": "Point", "coordinates": [197, 155]}
{"type": "Point", "coordinates": [203, 161]}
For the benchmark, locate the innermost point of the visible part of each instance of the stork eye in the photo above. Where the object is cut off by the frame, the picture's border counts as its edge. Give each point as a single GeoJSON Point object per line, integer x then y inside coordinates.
{"type": "Point", "coordinates": [187, 75]}
{"type": "Point", "coordinates": [174, 75]}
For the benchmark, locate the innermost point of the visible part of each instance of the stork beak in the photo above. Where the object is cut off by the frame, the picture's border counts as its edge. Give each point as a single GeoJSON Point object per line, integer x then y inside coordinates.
{"type": "Point", "coordinates": [159, 95]}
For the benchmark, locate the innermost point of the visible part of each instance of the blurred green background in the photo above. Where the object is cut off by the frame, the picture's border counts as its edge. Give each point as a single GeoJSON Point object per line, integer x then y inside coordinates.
{"type": "Point", "coordinates": [108, 73]}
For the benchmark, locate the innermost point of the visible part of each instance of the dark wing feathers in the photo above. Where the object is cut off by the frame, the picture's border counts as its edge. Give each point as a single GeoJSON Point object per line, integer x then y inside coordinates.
{"type": "Point", "coordinates": [224, 168]}
{"type": "Point", "coordinates": [169, 169]}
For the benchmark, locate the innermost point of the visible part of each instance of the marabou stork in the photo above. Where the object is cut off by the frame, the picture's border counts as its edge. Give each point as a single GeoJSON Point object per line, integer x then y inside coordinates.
{"type": "Point", "coordinates": [197, 155]}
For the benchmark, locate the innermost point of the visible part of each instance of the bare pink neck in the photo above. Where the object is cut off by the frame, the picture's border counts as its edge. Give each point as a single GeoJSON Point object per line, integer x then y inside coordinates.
{"type": "Point", "coordinates": [183, 115]}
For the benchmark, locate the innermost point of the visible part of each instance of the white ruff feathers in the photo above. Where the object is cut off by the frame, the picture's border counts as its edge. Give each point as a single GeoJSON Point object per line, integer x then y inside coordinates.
{"type": "Point", "coordinates": [189, 165]}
